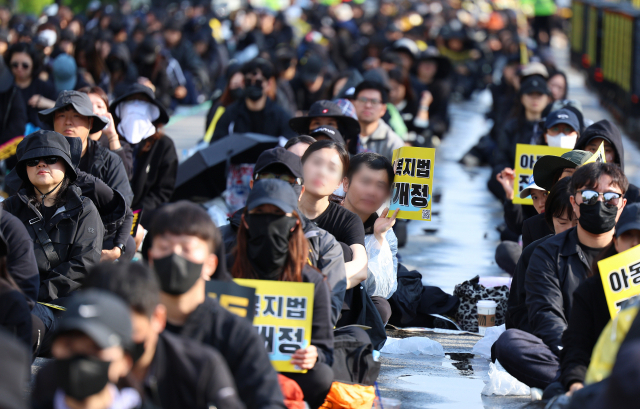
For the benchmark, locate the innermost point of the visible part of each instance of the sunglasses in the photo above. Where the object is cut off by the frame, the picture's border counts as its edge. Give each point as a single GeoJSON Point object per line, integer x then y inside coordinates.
{"type": "Point", "coordinates": [286, 178]}
{"type": "Point", "coordinates": [256, 82]}
{"type": "Point", "coordinates": [50, 160]}
{"type": "Point", "coordinates": [590, 197]}
{"type": "Point", "coordinates": [25, 65]}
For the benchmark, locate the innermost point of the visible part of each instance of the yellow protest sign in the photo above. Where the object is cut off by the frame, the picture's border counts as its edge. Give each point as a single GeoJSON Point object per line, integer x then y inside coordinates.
{"type": "Point", "coordinates": [283, 316]}
{"type": "Point", "coordinates": [620, 276]}
{"type": "Point", "coordinates": [8, 148]}
{"type": "Point", "coordinates": [599, 156]}
{"type": "Point", "coordinates": [526, 157]}
{"type": "Point", "coordinates": [412, 183]}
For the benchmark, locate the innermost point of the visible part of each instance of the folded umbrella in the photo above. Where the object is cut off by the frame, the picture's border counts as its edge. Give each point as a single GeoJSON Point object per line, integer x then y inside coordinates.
{"type": "Point", "coordinates": [204, 175]}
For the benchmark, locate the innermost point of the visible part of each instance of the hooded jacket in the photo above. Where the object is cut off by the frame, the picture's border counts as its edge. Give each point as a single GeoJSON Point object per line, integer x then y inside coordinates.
{"type": "Point", "coordinates": [607, 130]}
{"type": "Point", "coordinates": [107, 166]}
{"type": "Point", "coordinates": [76, 232]}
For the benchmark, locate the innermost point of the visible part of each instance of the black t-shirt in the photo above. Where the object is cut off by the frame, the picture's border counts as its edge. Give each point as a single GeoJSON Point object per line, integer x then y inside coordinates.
{"type": "Point", "coordinates": [256, 121]}
{"type": "Point", "coordinates": [590, 253]}
{"type": "Point", "coordinates": [48, 212]}
{"type": "Point", "coordinates": [344, 225]}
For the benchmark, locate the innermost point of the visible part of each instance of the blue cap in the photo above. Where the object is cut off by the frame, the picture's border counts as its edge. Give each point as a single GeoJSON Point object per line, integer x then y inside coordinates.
{"type": "Point", "coordinates": [562, 116]}
{"type": "Point", "coordinates": [275, 192]}
{"type": "Point", "coordinates": [64, 72]}
{"type": "Point", "coordinates": [629, 219]}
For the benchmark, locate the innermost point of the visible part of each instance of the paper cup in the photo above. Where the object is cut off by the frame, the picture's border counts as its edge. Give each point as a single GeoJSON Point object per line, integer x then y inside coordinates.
{"type": "Point", "coordinates": [486, 315]}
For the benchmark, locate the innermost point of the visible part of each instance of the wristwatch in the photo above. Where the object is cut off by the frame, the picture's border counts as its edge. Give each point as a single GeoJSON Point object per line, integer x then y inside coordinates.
{"type": "Point", "coordinates": [122, 249]}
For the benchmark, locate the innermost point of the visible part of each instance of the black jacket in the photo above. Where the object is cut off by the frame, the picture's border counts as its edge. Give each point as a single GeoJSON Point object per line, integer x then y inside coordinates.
{"type": "Point", "coordinates": [237, 119]}
{"type": "Point", "coordinates": [243, 349]}
{"type": "Point", "coordinates": [13, 114]}
{"type": "Point", "coordinates": [21, 260]}
{"type": "Point", "coordinates": [515, 131]}
{"type": "Point", "coordinates": [515, 215]}
{"type": "Point", "coordinates": [187, 374]}
{"type": "Point", "coordinates": [557, 267]}
{"type": "Point", "coordinates": [154, 176]}
{"type": "Point", "coordinates": [534, 228]}
{"type": "Point", "coordinates": [108, 167]}
{"type": "Point", "coordinates": [15, 313]}
{"type": "Point", "coordinates": [589, 315]}
{"type": "Point", "coordinates": [517, 316]}
{"type": "Point", "coordinates": [76, 232]}
{"type": "Point", "coordinates": [322, 327]}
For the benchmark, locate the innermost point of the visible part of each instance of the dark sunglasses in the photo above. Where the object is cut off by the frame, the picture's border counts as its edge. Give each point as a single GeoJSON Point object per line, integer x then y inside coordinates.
{"type": "Point", "coordinates": [248, 82]}
{"type": "Point", "coordinates": [17, 64]}
{"type": "Point", "coordinates": [50, 160]}
{"type": "Point", "coordinates": [286, 178]}
{"type": "Point", "coordinates": [590, 197]}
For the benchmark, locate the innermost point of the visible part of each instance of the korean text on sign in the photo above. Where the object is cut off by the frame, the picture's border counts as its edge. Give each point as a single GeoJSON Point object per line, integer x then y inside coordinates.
{"type": "Point", "coordinates": [283, 316]}
{"type": "Point", "coordinates": [526, 157]}
{"type": "Point", "coordinates": [412, 183]}
{"type": "Point", "coordinates": [620, 276]}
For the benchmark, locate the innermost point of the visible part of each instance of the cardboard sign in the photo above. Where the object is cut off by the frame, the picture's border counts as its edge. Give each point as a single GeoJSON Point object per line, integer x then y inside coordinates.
{"type": "Point", "coordinates": [233, 297]}
{"type": "Point", "coordinates": [620, 276]}
{"type": "Point", "coordinates": [526, 157]}
{"type": "Point", "coordinates": [137, 214]}
{"type": "Point", "coordinates": [283, 316]}
{"type": "Point", "coordinates": [8, 149]}
{"type": "Point", "coordinates": [413, 183]}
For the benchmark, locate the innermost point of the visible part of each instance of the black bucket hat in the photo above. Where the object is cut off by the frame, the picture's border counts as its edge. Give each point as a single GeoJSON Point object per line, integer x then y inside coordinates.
{"type": "Point", "coordinates": [136, 89]}
{"type": "Point", "coordinates": [80, 102]}
{"type": "Point", "coordinates": [42, 144]}
{"type": "Point", "coordinates": [328, 109]}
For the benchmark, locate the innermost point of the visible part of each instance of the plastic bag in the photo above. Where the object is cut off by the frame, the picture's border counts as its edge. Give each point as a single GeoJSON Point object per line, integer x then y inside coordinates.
{"type": "Point", "coordinates": [499, 382]}
{"type": "Point", "coordinates": [382, 274]}
{"type": "Point", "coordinates": [412, 345]}
{"type": "Point", "coordinates": [218, 211]}
{"type": "Point", "coordinates": [483, 347]}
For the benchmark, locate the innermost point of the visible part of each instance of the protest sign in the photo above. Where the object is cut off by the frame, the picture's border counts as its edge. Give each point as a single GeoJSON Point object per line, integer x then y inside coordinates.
{"type": "Point", "coordinates": [283, 316]}
{"type": "Point", "coordinates": [412, 183]}
{"type": "Point", "coordinates": [8, 148]}
{"type": "Point", "coordinates": [620, 276]}
{"type": "Point", "coordinates": [233, 297]}
{"type": "Point", "coordinates": [526, 157]}
{"type": "Point", "coordinates": [599, 156]}
{"type": "Point", "coordinates": [137, 214]}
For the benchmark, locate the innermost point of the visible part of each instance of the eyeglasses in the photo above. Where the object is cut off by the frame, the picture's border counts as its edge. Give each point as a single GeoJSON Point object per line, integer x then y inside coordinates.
{"type": "Point", "coordinates": [284, 177]}
{"type": "Point", "coordinates": [365, 101]}
{"type": "Point", "coordinates": [48, 160]}
{"type": "Point", "coordinates": [25, 66]}
{"type": "Point", "coordinates": [590, 197]}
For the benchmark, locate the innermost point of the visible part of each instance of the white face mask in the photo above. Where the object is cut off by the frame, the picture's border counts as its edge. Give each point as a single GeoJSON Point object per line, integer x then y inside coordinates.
{"type": "Point", "coordinates": [562, 141]}
{"type": "Point", "coordinates": [136, 119]}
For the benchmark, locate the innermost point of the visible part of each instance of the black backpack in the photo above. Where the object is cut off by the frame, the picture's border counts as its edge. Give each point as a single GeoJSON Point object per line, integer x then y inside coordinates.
{"type": "Point", "coordinates": [353, 361]}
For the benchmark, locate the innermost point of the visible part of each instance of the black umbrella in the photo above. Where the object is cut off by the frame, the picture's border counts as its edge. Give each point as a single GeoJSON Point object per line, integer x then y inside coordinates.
{"type": "Point", "coordinates": [204, 175]}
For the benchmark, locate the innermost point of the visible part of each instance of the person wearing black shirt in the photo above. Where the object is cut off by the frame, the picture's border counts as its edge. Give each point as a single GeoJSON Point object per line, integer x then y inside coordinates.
{"type": "Point", "coordinates": [325, 164]}
{"type": "Point", "coordinates": [556, 269]}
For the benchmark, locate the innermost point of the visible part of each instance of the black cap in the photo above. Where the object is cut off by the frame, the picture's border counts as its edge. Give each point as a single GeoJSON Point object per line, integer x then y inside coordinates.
{"type": "Point", "coordinates": [139, 89]}
{"type": "Point", "coordinates": [275, 192]}
{"type": "Point", "coordinates": [279, 155]}
{"type": "Point", "coordinates": [80, 102]}
{"type": "Point", "coordinates": [629, 219]}
{"type": "Point", "coordinates": [562, 116]}
{"type": "Point", "coordinates": [534, 84]}
{"type": "Point", "coordinates": [311, 67]}
{"type": "Point", "coordinates": [99, 314]}
{"type": "Point", "coordinates": [325, 109]}
{"type": "Point", "coordinates": [328, 131]}
{"type": "Point", "coordinates": [41, 144]}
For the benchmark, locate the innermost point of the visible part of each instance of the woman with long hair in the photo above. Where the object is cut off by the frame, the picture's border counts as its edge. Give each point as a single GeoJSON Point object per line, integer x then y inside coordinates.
{"type": "Point", "coordinates": [272, 246]}
{"type": "Point", "coordinates": [325, 164]}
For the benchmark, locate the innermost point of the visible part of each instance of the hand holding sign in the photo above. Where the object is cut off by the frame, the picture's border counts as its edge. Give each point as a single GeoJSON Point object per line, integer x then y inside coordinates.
{"type": "Point", "coordinates": [305, 358]}
{"type": "Point", "coordinates": [383, 224]}
{"type": "Point", "coordinates": [506, 178]}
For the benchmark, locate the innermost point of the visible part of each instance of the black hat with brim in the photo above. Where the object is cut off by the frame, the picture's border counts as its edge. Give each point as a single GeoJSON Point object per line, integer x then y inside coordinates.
{"type": "Point", "coordinates": [325, 109]}
{"type": "Point", "coordinates": [139, 89]}
{"type": "Point", "coordinates": [547, 167]}
{"type": "Point", "coordinates": [329, 132]}
{"type": "Point", "coordinates": [80, 102]}
{"type": "Point", "coordinates": [42, 144]}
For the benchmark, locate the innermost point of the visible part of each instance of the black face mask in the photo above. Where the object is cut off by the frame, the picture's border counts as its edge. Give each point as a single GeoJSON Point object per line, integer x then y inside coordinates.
{"type": "Point", "coordinates": [598, 218]}
{"type": "Point", "coordinates": [268, 244]}
{"type": "Point", "coordinates": [176, 274]}
{"type": "Point", "coordinates": [253, 92]}
{"type": "Point", "coordinates": [82, 376]}
{"type": "Point", "coordinates": [237, 93]}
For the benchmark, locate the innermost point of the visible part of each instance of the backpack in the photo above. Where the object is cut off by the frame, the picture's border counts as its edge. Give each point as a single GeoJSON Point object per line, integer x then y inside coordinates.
{"type": "Point", "coordinates": [353, 361]}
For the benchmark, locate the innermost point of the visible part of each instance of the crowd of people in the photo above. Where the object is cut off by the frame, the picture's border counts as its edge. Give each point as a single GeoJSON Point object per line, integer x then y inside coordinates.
{"type": "Point", "coordinates": [103, 271]}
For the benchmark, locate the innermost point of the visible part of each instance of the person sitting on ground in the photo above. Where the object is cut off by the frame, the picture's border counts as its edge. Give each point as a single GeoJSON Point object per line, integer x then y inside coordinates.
{"type": "Point", "coordinates": [368, 187]}
{"type": "Point", "coordinates": [327, 133]}
{"type": "Point", "coordinates": [272, 246]}
{"type": "Point", "coordinates": [326, 113]}
{"type": "Point", "coordinates": [182, 251]}
{"type": "Point", "coordinates": [370, 99]}
{"type": "Point", "coordinates": [167, 366]}
{"type": "Point", "coordinates": [299, 144]}
{"type": "Point", "coordinates": [93, 351]}
{"type": "Point", "coordinates": [325, 252]}
{"type": "Point", "coordinates": [557, 267]}
{"type": "Point", "coordinates": [65, 228]}
{"type": "Point", "coordinates": [256, 112]}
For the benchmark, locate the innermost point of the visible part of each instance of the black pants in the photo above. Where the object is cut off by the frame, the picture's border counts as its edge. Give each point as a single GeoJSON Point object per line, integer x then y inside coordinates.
{"type": "Point", "coordinates": [315, 384]}
{"type": "Point", "coordinates": [383, 307]}
{"type": "Point", "coordinates": [527, 358]}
